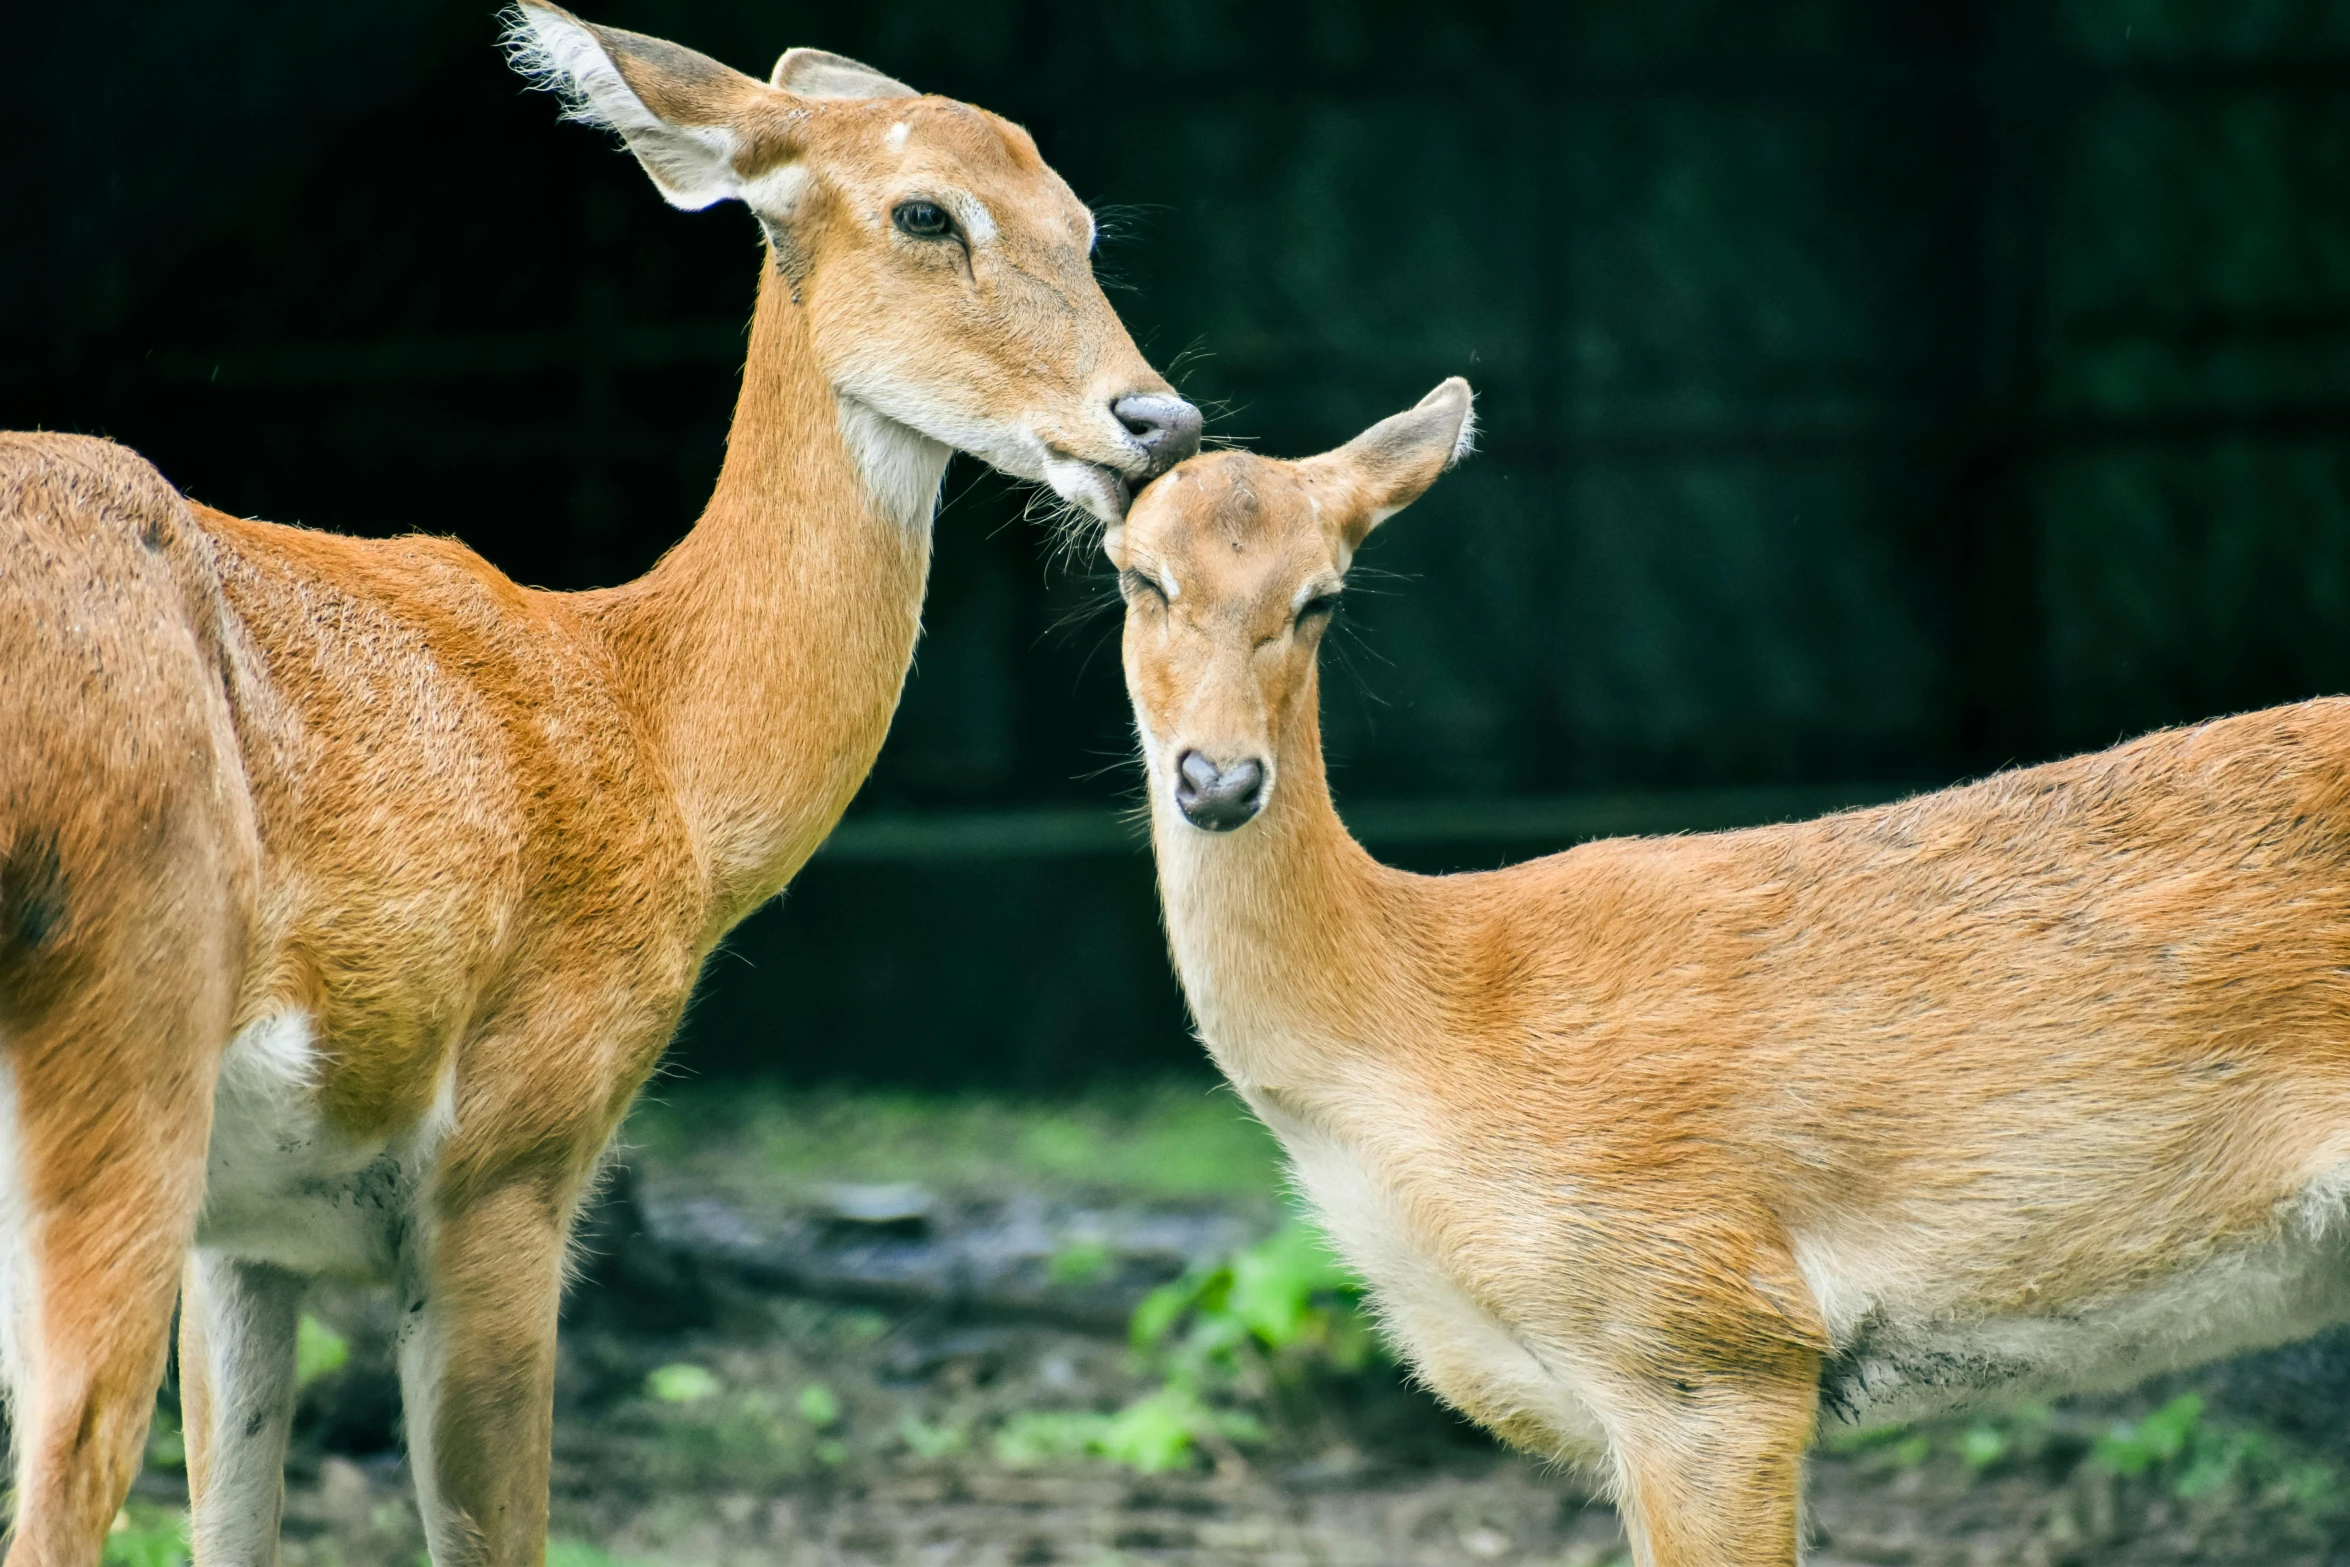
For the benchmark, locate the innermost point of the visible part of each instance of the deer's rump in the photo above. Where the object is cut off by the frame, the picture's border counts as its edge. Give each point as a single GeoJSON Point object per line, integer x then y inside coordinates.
{"type": "Point", "coordinates": [125, 828]}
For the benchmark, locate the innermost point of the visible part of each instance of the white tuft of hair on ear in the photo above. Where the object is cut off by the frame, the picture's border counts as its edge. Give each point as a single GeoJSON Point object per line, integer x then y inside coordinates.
{"type": "Point", "coordinates": [691, 165]}
{"type": "Point", "coordinates": [1465, 442]}
{"type": "Point", "coordinates": [557, 55]}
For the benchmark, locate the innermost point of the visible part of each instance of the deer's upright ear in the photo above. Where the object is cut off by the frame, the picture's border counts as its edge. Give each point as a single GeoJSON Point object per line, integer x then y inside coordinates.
{"type": "Point", "coordinates": [1390, 465]}
{"type": "Point", "coordinates": [818, 73]}
{"type": "Point", "coordinates": [674, 108]}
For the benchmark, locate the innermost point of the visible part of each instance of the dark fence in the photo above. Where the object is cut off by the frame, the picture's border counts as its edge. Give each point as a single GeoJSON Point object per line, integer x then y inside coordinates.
{"type": "Point", "coordinates": [1871, 392]}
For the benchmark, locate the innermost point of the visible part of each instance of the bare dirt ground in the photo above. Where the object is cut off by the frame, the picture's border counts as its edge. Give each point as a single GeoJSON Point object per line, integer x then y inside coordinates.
{"type": "Point", "coordinates": [900, 1471]}
{"type": "Point", "coordinates": [765, 1367]}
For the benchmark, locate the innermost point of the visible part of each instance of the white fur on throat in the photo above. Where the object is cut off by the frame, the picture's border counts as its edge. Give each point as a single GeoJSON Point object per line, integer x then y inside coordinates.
{"type": "Point", "coordinates": [900, 465]}
{"type": "Point", "coordinates": [1455, 1343]}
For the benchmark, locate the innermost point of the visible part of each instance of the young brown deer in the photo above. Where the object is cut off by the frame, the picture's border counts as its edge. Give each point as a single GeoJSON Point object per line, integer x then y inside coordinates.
{"type": "Point", "coordinates": [1652, 1149]}
{"type": "Point", "coordinates": [348, 891]}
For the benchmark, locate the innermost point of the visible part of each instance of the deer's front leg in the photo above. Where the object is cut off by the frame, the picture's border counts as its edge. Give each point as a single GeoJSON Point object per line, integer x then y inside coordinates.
{"type": "Point", "coordinates": [1712, 1472]}
{"type": "Point", "coordinates": [480, 1290]}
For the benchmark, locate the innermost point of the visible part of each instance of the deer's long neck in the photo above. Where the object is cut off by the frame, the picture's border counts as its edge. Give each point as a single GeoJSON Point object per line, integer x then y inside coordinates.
{"type": "Point", "coordinates": [1294, 945]}
{"type": "Point", "coordinates": [766, 652]}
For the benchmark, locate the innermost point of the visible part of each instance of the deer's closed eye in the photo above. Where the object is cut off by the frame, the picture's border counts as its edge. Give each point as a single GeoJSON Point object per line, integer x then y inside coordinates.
{"type": "Point", "coordinates": [1317, 610]}
{"type": "Point", "coordinates": [1136, 585]}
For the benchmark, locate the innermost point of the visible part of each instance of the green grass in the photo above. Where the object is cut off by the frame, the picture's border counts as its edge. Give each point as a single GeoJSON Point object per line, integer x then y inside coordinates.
{"type": "Point", "coordinates": [578, 1553]}
{"type": "Point", "coordinates": [147, 1536]}
{"type": "Point", "coordinates": [1164, 1141]}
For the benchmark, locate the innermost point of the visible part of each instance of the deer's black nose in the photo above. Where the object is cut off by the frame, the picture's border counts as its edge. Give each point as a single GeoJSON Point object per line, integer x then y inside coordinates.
{"type": "Point", "coordinates": [1218, 798]}
{"type": "Point", "coordinates": [1162, 424]}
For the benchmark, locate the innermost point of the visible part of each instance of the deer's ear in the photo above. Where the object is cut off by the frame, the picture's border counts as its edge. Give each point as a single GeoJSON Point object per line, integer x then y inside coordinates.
{"type": "Point", "coordinates": [818, 73]}
{"type": "Point", "coordinates": [1391, 464]}
{"type": "Point", "coordinates": [674, 108]}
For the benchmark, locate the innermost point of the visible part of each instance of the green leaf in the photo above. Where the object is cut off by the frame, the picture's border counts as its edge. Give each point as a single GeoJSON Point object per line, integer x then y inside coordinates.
{"type": "Point", "coordinates": [147, 1536]}
{"type": "Point", "coordinates": [929, 1441]}
{"type": "Point", "coordinates": [1080, 1262]}
{"type": "Point", "coordinates": [681, 1383]}
{"type": "Point", "coordinates": [578, 1553]}
{"type": "Point", "coordinates": [819, 1406]}
{"type": "Point", "coordinates": [2168, 1430]}
{"type": "Point", "coordinates": [2133, 1447]}
{"type": "Point", "coordinates": [318, 1350]}
{"type": "Point", "coordinates": [1160, 1310]}
{"type": "Point", "coordinates": [1154, 1433]}
{"type": "Point", "coordinates": [1982, 1446]}
{"type": "Point", "coordinates": [167, 1446]}
{"type": "Point", "coordinates": [1036, 1436]}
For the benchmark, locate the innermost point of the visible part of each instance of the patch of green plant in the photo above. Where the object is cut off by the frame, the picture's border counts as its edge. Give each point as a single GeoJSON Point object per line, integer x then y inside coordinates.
{"type": "Point", "coordinates": [692, 1429]}
{"type": "Point", "coordinates": [1080, 1263]}
{"type": "Point", "coordinates": [1981, 1445]}
{"type": "Point", "coordinates": [1851, 1440]}
{"type": "Point", "coordinates": [2175, 1448]}
{"type": "Point", "coordinates": [2019, 1436]}
{"type": "Point", "coordinates": [819, 1405]}
{"type": "Point", "coordinates": [578, 1553]}
{"type": "Point", "coordinates": [1282, 1307]}
{"type": "Point", "coordinates": [147, 1536]}
{"type": "Point", "coordinates": [167, 1446]}
{"type": "Point", "coordinates": [1172, 1140]}
{"type": "Point", "coordinates": [1267, 1317]}
{"type": "Point", "coordinates": [747, 1438]}
{"type": "Point", "coordinates": [318, 1350]}
{"type": "Point", "coordinates": [1154, 1433]}
{"type": "Point", "coordinates": [925, 1440]}
{"type": "Point", "coordinates": [2131, 1447]}
{"type": "Point", "coordinates": [2195, 1458]}
{"type": "Point", "coordinates": [682, 1383]}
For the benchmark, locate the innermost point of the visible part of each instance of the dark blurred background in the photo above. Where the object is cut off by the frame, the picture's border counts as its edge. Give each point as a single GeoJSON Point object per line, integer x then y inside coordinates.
{"type": "Point", "coordinates": [1875, 395]}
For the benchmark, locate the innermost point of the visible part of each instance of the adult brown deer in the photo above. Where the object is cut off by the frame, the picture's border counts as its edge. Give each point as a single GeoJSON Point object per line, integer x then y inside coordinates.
{"type": "Point", "coordinates": [348, 891]}
{"type": "Point", "coordinates": [1651, 1149]}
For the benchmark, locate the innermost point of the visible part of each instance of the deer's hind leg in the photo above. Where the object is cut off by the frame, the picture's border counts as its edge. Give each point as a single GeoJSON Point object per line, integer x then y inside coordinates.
{"type": "Point", "coordinates": [238, 1325]}
{"type": "Point", "coordinates": [108, 1157]}
{"type": "Point", "coordinates": [114, 1008]}
{"type": "Point", "coordinates": [128, 860]}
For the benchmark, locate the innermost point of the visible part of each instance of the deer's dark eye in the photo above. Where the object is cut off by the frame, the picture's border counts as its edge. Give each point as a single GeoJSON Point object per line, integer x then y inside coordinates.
{"type": "Point", "coordinates": [923, 220]}
{"type": "Point", "coordinates": [1317, 610]}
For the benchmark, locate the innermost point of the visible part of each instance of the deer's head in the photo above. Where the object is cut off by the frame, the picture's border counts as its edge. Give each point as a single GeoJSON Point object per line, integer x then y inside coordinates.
{"type": "Point", "coordinates": [1232, 567]}
{"type": "Point", "coordinates": [946, 271]}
